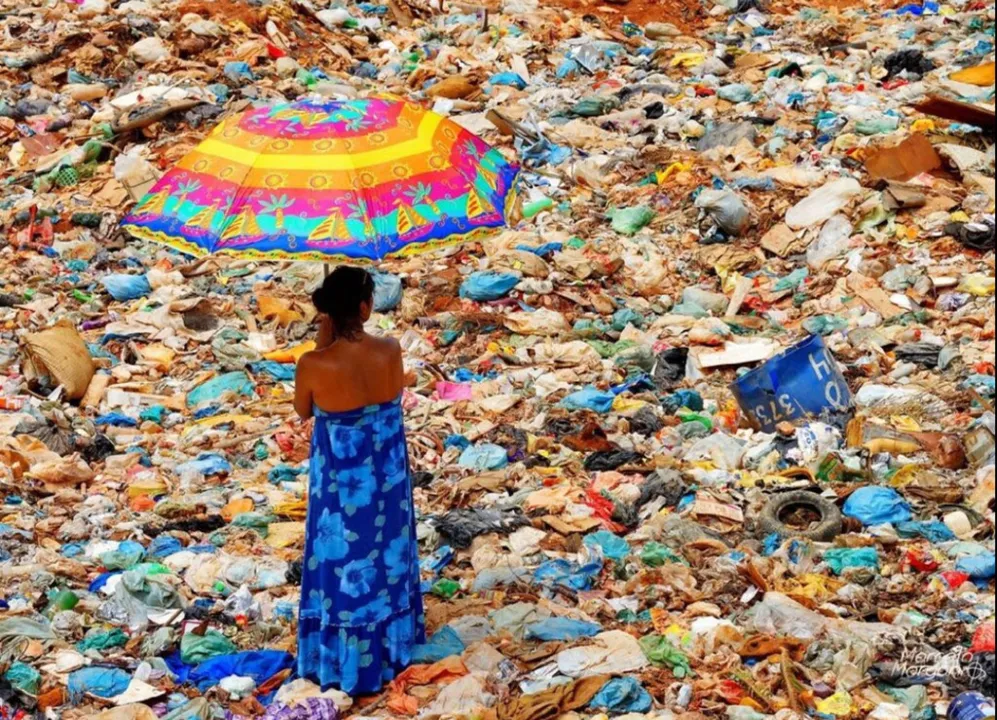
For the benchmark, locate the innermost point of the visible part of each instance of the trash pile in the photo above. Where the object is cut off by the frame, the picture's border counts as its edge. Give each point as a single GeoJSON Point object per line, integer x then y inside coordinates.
{"type": "Point", "coordinates": [707, 433]}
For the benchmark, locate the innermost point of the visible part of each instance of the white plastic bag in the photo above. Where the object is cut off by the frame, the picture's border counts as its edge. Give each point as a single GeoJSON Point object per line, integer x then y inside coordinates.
{"type": "Point", "coordinates": [823, 204]}
{"type": "Point", "coordinates": [148, 50]}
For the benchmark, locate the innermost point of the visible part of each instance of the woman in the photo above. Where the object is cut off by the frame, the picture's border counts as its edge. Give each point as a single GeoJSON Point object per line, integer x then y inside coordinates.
{"type": "Point", "coordinates": [361, 607]}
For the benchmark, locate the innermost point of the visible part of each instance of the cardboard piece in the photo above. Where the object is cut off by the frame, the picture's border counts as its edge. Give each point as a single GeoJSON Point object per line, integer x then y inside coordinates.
{"type": "Point", "coordinates": [910, 158]}
{"type": "Point", "coordinates": [868, 292]}
{"type": "Point", "coordinates": [780, 241]}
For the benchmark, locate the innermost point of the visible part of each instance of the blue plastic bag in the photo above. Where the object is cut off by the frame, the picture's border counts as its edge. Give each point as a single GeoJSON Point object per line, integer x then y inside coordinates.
{"type": "Point", "coordinates": [163, 546]}
{"type": "Point", "coordinates": [935, 531]}
{"type": "Point", "coordinates": [841, 559]}
{"type": "Point", "coordinates": [276, 371]}
{"type": "Point", "coordinates": [260, 665]}
{"type": "Point", "coordinates": [589, 399]}
{"type": "Point", "coordinates": [544, 152]}
{"type": "Point", "coordinates": [978, 567]}
{"type": "Point", "coordinates": [612, 546]}
{"type": "Point", "coordinates": [542, 250]}
{"type": "Point", "coordinates": [623, 696]}
{"type": "Point", "coordinates": [234, 382]}
{"type": "Point", "coordinates": [487, 285]}
{"type": "Point", "coordinates": [877, 506]}
{"type": "Point", "coordinates": [115, 420]}
{"type": "Point", "coordinates": [457, 441]}
{"type": "Point", "coordinates": [484, 457]}
{"type": "Point", "coordinates": [509, 79]}
{"type": "Point", "coordinates": [124, 288]}
{"type": "Point", "coordinates": [237, 71]}
{"type": "Point", "coordinates": [207, 464]}
{"type": "Point", "coordinates": [102, 682]}
{"type": "Point", "coordinates": [445, 643]}
{"type": "Point", "coordinates": [156, 414]}
{"type": "Point", "coordinates": [387, 292]}
{"type": "Point", "coordinates": [568, 574]}
{"type": "Point", "coordinates": [562, 630]}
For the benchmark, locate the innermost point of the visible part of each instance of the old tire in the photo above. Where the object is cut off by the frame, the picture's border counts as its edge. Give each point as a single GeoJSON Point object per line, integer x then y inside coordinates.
{"type": "Point", "coordinates": [829, 527]}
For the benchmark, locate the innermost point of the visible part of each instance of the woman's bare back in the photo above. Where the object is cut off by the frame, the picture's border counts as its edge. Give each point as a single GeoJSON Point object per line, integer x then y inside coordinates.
{"type": "Point", "coordinates": [348, 375]}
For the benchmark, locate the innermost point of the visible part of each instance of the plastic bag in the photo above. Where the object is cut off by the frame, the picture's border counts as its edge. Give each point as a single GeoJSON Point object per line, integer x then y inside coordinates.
{"type": "Point", "coordinates": [656, 555]}
{"type": "Point", "coordinates": [612, 546]}
{"type": "Point", "coordinates": [508, 79]}
{"type": "Point", "coordinates": [237, 383]}
{"type": "Point", "coordinates": [568, 574]}
{"type": "Point", "coordinates": [622, 696]}
{"type": "Point", "coordinates": [124, 288]}
{"type": "Point", "coordinates": [661, 652]}
{"type": "Point", "coordinates": [148, 50]}
{"type": "Point", "coordinates": [589, 399]}
{"type": "Point", "coordinates": [612, 653]}
{"type": "Point", "coordinates": [832, 242]}
{"type": "Point", "coordinates": [487, 286]}
{"type": "Point", "coordinates": [136, 174]}
{"type": "Point", "coordinates": [823, 204]}
{"type": "Point", "coordinates": [630, 221]}
{"type": "Point", "coordinates": [983, 640]}
{"type": "Point", "coordinates": [841, 559]}
{"type": "Point", "coordinates": [195, 649]}
{"type": "Point", "coordinates": [484, 457]}
{"type": "Point", "coordinates": [562, 630]}
{"type": "Point", "coordinates": [735, 93]}
{"type": "Point", "coordinates": [205, 464]}
{"type": "Point", "coordinates": [24, 678]}
{"type": "Point", "coordinates": [199, 709]}
{"type": "Point", "coordinates": [100, 682]}
{"type": "Point", "coordinates": [445, 643]}
{"type": "Point", "coordinates": [259, 665]}
{"type": "Point", "coordinates": [978, 567]}
{"type": "Point", "coordinates": [726, 209]}
{"type": "Point", "coordinates": [541, 322]}
{"type": "Point", "coordinates": [877, 506]}
{"type": "Point", "coordinates": [387, 292]}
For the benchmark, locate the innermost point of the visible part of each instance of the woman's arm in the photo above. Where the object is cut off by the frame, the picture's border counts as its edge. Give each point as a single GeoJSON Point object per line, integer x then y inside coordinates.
{"type": "Point", "coordinates": [304, 405]}
{"type": "Point", "coordinates": [398, 363]}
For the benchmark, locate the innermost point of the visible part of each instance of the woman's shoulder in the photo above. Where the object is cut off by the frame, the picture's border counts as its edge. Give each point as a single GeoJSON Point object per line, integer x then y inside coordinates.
{"type": "Point", "coordinates": [388, 346]}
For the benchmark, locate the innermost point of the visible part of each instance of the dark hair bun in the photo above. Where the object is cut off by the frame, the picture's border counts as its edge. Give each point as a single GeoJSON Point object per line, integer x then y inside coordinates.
{"type": "Point", "coordinates": [342, 297]}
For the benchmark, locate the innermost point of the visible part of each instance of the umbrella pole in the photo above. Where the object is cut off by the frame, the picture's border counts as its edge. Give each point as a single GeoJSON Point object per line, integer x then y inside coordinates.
{"type": "Point", "coordinates": [328, 269]}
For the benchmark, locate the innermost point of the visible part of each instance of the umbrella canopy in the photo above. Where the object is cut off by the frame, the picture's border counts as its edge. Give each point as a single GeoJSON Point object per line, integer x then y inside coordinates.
{"type": "Point", "coordinates": [331, 182]}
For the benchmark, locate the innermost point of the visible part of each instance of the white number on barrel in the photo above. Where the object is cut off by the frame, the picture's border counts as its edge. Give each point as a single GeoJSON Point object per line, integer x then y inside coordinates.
{"type": "Point", "coordinates": [776, 413]}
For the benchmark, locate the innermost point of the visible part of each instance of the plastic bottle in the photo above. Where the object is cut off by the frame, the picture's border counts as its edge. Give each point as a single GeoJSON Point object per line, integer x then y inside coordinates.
{"type": "Point", "coordinates": [62, 601]}
{"type": "Point", "coordinates": [531, 210]}
{"type": "Point", "coordinates": [971, 706]}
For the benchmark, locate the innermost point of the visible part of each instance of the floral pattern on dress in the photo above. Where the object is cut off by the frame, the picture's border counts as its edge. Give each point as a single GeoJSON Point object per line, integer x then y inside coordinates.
{"type": "Point", "coordinates": [361, 605]}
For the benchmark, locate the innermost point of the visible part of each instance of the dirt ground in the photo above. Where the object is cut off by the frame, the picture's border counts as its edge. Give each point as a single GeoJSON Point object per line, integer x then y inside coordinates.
{"type": "Point", "coordinates": [684, 14]}
{"type": "Point", "coordinates": [688, 15]}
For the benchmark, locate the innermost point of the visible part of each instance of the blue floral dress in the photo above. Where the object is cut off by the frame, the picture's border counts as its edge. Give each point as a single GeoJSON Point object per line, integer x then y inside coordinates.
{"type": "Point", "coordinates": [361, 607]}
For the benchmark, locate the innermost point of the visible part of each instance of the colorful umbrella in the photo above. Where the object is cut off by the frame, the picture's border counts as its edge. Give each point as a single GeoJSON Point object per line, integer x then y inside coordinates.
{"type": "Point", "coordinates": [329, 182]}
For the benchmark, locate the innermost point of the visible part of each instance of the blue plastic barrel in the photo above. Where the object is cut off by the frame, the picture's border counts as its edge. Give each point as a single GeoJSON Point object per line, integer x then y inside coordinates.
{"type": "Point", "coordinates": [803, 382]}
{"type": "Point", "coordinates": [971, 706]}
